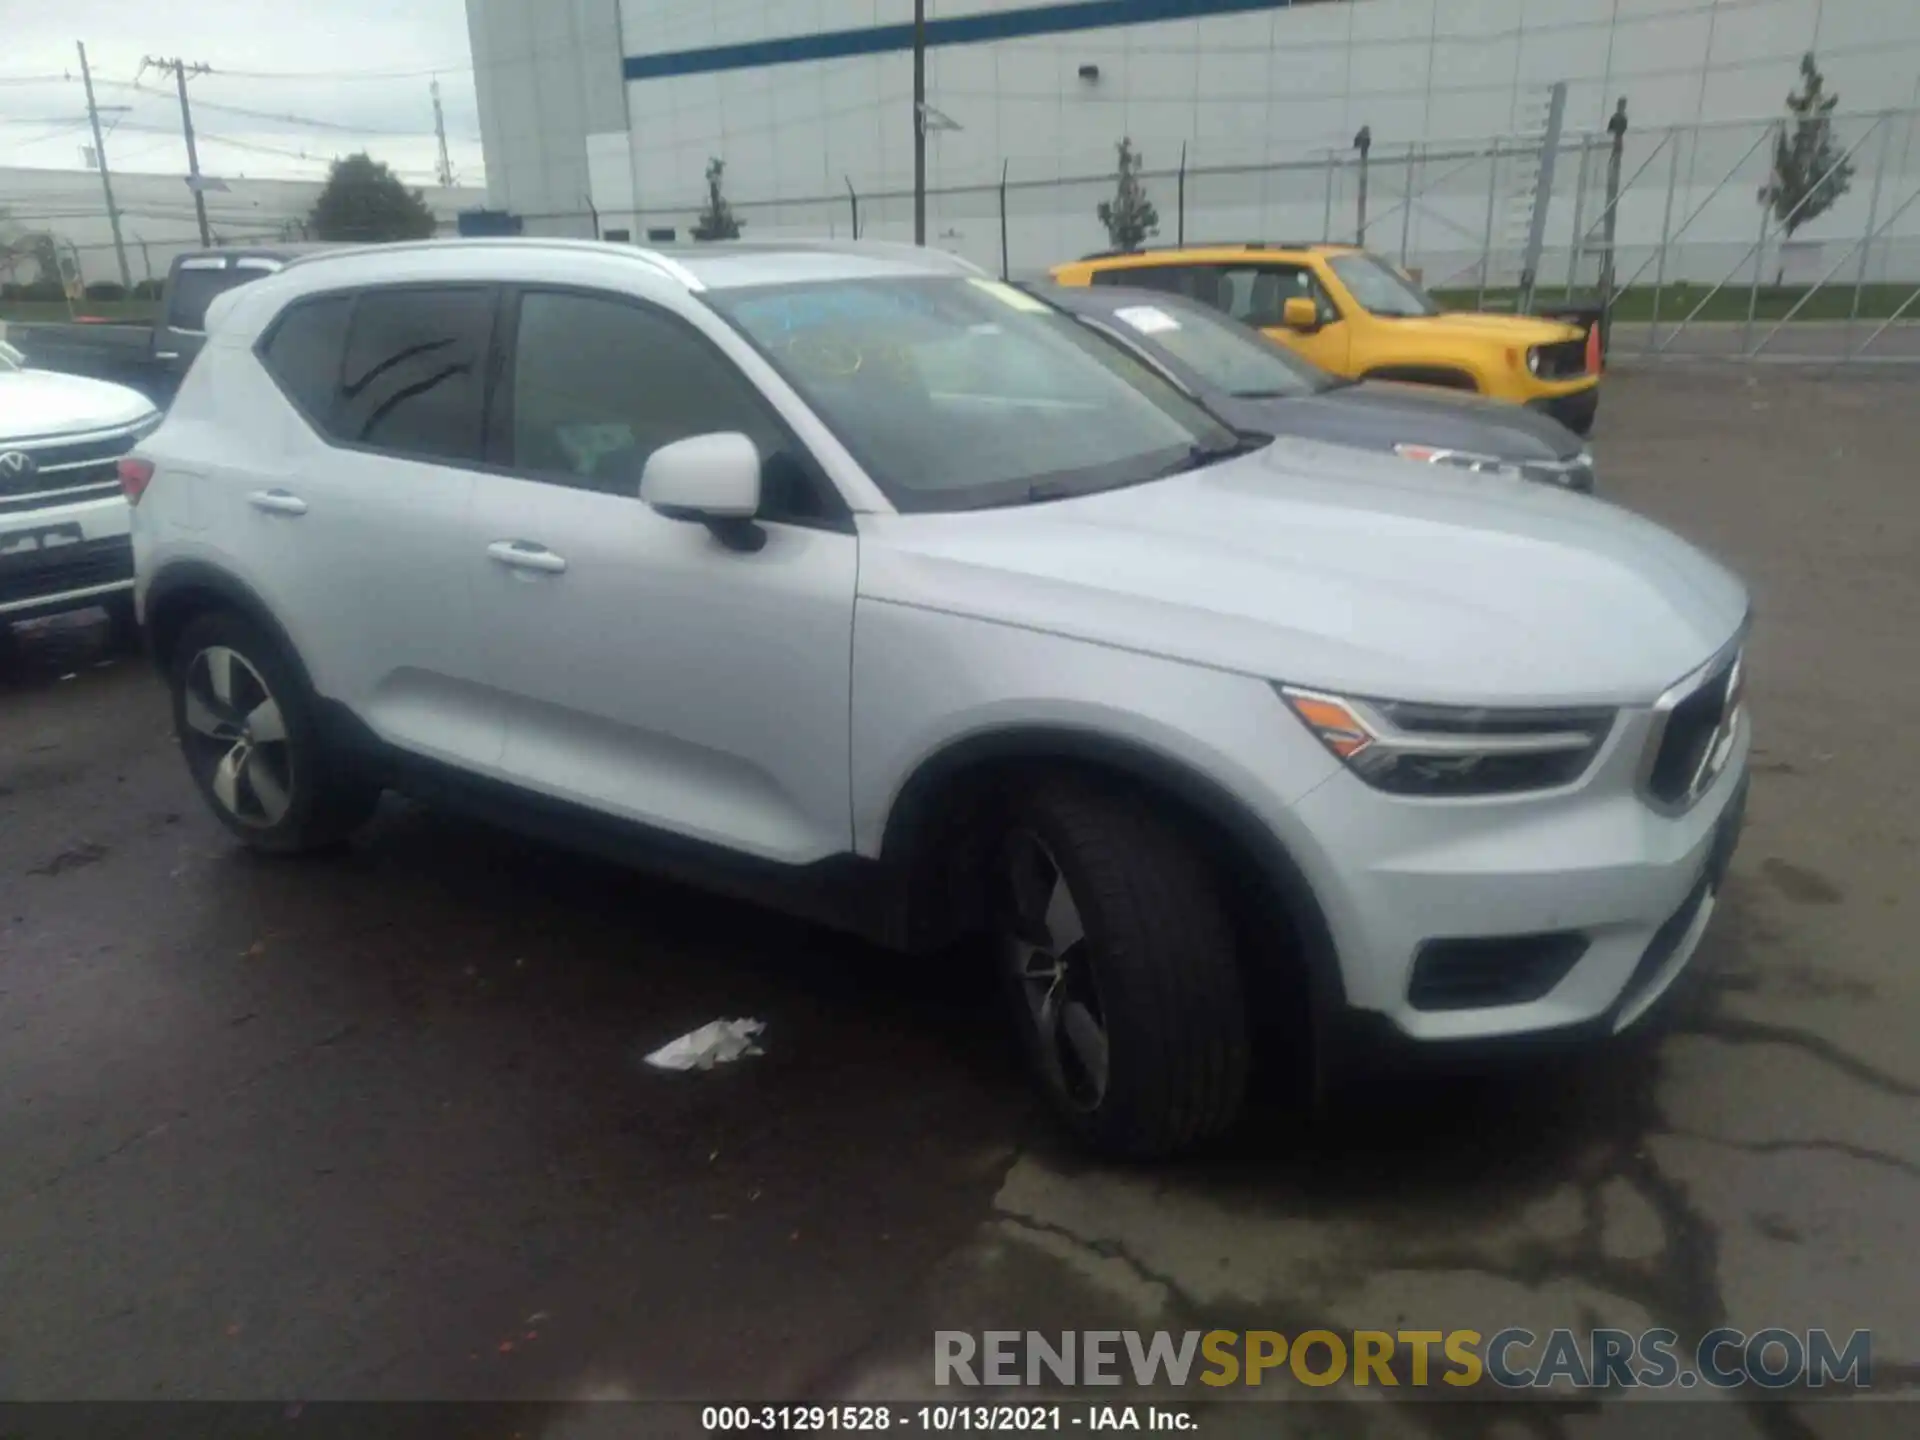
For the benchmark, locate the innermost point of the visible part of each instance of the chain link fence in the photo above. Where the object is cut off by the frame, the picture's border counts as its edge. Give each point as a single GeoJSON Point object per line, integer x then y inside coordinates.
{"type": "Point", "coordinates": [1665, 227]}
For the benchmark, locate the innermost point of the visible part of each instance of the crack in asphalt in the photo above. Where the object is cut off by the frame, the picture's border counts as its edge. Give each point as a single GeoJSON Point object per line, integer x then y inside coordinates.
{"type": "Point", "coordinates": [1818, 1144]}
{"type": "Point", "coordinates": [1740, 1030]}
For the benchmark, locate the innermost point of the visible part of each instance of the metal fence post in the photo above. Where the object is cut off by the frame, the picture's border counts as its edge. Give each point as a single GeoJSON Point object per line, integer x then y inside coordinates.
{"type": "Point", "coordinates": [1180, 195]}
{"type": "Point", "coordinates": [1406, 214]}
{"type": "Point", "coordinates": [1005, 267]}
{"type": "Point", "coordinates": [853, 199]}
{"type": "Point", "coordinates": [1363, 142]}
{"type": "Point", "coordinates": [1542, 195]}
{"type": "Point", "coordinates": [1486, 241]}
{"type": "Point", "coordinates": [1579, 216]}
{"type": "Point", "coordinates": [1666, 229]}
{"type": "Point", "coordinates": [1759, 264]}
{"type": "Point", "coordinates": [1866, 243]}
{"type": "Point", "coordinates": [1617, 128]}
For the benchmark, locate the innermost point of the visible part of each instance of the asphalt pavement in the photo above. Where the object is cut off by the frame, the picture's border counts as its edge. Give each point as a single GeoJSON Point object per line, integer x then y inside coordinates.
{"type": "Point", "coordinates": [376, 1126]}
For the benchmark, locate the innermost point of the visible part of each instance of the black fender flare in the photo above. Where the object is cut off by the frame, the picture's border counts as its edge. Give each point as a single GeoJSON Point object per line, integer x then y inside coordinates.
{"type": "Point", "coordinates": [183, 588]}
{"type": "Point", "coordinates": [911, 821]}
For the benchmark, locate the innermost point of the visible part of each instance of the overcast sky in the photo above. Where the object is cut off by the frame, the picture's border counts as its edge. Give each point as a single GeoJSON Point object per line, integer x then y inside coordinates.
{"type": "Point", "coordinates": [362, 67]}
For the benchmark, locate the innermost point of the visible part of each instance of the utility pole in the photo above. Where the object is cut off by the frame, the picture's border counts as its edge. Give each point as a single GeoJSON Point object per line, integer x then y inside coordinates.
{"type": "Point", "coordinates": [106, 180]}
{"type": "Point", "coordinates": [445, 168]}
{"type": "Point", "coordinates": [181, 69]}
{"type": "Point", "coordinates": [919, 122]}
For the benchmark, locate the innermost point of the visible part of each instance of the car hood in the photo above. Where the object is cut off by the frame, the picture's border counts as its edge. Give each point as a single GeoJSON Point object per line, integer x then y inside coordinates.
{"type": "Point", "coordinates": [1378, 415]}
{"type": "Point", "coordinates": [1332, 567]}
{"type": "Point", "coordinates": [1481, 325]}
{"type": "Point", "coordinates": [36, 404]}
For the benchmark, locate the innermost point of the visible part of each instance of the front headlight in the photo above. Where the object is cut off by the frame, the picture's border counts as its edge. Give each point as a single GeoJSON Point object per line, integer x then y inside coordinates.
{"type": "Point", "coordinates": [1453, 750]}
{"type": "Point", "coordinates": [1533, 359]}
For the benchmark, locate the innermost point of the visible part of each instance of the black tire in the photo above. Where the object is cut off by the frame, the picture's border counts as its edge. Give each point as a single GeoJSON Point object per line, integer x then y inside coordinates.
{"type": "Point", "coordinates": [285, 793]}
{"type": "Point", "coordinates": [1157, 946]}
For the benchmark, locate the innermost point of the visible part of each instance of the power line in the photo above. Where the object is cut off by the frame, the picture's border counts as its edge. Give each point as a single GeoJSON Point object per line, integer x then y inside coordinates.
{"type": "Point", "coordinates": [453, 69]}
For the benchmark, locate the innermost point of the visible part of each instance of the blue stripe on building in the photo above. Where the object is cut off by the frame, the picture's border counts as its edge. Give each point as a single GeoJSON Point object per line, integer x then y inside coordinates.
{"type": "Point", "coordinates": [978, 29]}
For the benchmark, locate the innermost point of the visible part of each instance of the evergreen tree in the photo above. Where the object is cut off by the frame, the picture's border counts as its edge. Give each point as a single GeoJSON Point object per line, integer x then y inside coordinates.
{"type": "Point", "coordinates": [1129, 217]}
{"type": "Point", "coordinates": [716, 222]}
{"type": "Point", "coordinates": [1801, 187]}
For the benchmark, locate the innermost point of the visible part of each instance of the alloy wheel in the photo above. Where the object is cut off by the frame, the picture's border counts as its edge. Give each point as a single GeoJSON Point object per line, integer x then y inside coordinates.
{"type": "Point", "coordinates": [1048, 952]}
{"type": "Point", "coordinates": [237, 737]}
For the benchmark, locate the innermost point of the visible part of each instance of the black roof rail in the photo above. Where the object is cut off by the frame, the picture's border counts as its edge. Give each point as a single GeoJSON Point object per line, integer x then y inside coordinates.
{"type": "Point", "coordinates": [1212, 245]}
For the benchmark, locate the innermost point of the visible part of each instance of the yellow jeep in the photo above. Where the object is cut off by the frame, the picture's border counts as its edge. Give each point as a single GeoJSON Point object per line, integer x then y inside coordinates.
{"type": "Point", "coordinates": [1354, 314]}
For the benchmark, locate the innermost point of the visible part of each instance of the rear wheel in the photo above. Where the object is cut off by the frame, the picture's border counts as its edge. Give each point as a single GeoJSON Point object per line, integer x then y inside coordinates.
{"type": "Point", "coordinates": [246, 726]}
{"type": "Point", "coordinates": [1118, 956]}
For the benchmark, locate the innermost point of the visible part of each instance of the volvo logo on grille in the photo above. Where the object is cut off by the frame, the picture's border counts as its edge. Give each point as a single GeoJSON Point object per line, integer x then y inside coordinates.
{"type": "Point", "coordinates": [17, 465]}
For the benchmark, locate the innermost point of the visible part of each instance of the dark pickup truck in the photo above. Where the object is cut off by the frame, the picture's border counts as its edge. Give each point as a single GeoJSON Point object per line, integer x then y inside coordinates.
{"type": "Point", "coordinates": [152, 358]}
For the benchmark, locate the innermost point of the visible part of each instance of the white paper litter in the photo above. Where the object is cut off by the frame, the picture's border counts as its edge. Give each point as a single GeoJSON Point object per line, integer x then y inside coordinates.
{"type": "Point", "coordinates": [715, 1043]}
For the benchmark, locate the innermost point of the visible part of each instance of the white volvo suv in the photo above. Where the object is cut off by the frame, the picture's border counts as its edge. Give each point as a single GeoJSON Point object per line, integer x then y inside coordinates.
{"type": "Point", "coordinates": [852, 579]}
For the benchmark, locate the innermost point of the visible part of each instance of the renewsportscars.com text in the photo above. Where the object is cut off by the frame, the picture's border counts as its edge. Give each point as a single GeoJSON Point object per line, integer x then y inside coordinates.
{"type": "Point", "coordinates": [1514, 1359]}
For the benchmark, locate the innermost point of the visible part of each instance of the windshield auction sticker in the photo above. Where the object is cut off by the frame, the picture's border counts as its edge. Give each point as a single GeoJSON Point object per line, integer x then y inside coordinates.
{"type": "Point", "coordinates": [1147, 319]}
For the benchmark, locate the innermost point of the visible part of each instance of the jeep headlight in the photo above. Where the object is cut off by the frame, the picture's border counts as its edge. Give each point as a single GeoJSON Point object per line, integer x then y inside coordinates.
{"type": "Point", "coordinates": [1443, 751]}
{"type": "Point", "coordinates": [1533, 360]}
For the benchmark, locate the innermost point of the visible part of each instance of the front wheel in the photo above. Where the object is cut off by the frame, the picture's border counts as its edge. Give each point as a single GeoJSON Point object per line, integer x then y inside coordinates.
{"type": "Point", "coordinates": [1118, 956]}
{"type": "Point", "coordinates": [246, 725]}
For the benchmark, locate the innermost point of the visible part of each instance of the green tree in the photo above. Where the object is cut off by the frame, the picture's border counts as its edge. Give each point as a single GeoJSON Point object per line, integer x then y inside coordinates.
{"type": "Point", "coordinates": [716, 222]}
{"type": "Point", "coordinates": [1129, 216]}
{"type": "Point", "coordinates": [364, 201]}
{"type": "Point", "coordinates": [1809, 173]}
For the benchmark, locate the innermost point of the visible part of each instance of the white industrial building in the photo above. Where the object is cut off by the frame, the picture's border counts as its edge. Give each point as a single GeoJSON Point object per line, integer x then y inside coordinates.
{"type": "Point", "coordinates": [604, 114]}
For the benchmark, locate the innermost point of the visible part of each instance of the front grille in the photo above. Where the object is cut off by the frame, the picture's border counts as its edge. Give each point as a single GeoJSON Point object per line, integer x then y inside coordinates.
{"type": "Point", "coordinates": [1491, 970]}
{"type": "Point", "coordinates": [1690, 731]}
{"type": "Point", "coordinates": [1563, 360]}
{"type": "Point", "coordinates": [66, 463]}
{"type": "Point", "coordinates": [42, 573]}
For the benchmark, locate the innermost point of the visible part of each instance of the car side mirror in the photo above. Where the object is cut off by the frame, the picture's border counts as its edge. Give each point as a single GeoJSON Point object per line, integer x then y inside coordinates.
{"type": "Point", "coordinates": [712, 479]}
{"type": "Point", "coordinates": [1300, 313]}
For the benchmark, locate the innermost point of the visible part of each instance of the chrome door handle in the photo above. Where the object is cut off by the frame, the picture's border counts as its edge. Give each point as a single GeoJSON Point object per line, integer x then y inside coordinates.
{"type": "Point", "coordinates": [277, 502]}
{"type": "Point", "coordinates": [526, 555]}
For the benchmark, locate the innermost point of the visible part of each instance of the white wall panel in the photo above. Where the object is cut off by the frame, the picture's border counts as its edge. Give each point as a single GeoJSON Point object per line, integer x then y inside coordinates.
{"type": "Point", "coordinates": [1268, 86]}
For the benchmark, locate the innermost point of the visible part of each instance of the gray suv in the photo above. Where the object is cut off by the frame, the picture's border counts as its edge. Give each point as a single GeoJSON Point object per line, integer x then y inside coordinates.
{"type": "Point", "coordinates": [1255, 384]}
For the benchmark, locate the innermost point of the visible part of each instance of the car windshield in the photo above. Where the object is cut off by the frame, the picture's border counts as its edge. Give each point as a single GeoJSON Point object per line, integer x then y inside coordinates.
{"type": "Point", "coordinates": [1225, 355]}
{"type": "Point", "coordinates": [1379, 288]}
{"type": "Point", "coordinates": [957, 393]}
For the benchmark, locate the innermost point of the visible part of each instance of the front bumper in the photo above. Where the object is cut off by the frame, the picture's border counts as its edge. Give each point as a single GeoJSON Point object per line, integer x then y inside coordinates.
{"type": "Point", "coordinates": [1595, 862]}
{"type": "Point", "coordinates": [1575, 410]}
{"type": "Point", "coordinates": [64, 557]}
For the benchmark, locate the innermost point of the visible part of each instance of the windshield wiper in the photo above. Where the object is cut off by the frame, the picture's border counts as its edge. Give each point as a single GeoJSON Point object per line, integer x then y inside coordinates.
{"type": "Point", "coordinates": [1197, 457]}
{"type": "Point", "coordinates": [1200, 456]}
{"type": "Point", "coordinates": [1264, 394]}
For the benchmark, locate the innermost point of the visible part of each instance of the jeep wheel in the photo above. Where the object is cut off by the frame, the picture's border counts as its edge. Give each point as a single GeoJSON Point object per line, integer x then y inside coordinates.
{"type": "Point", "coordinates": [1119, 959]}
{"type": "Point", "coordinates": [246, 726]}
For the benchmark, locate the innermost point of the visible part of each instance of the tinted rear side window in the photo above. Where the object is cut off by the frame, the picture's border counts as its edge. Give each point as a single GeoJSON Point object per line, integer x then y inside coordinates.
{"type": "Point", "coordinates": [304, 354]}
{"type": "Point", "coordinates": [1168, 279]}
{"type": "Point", "coordinates": [194, 290]}
{"type": "Point", "coordinates": [415, 375]}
